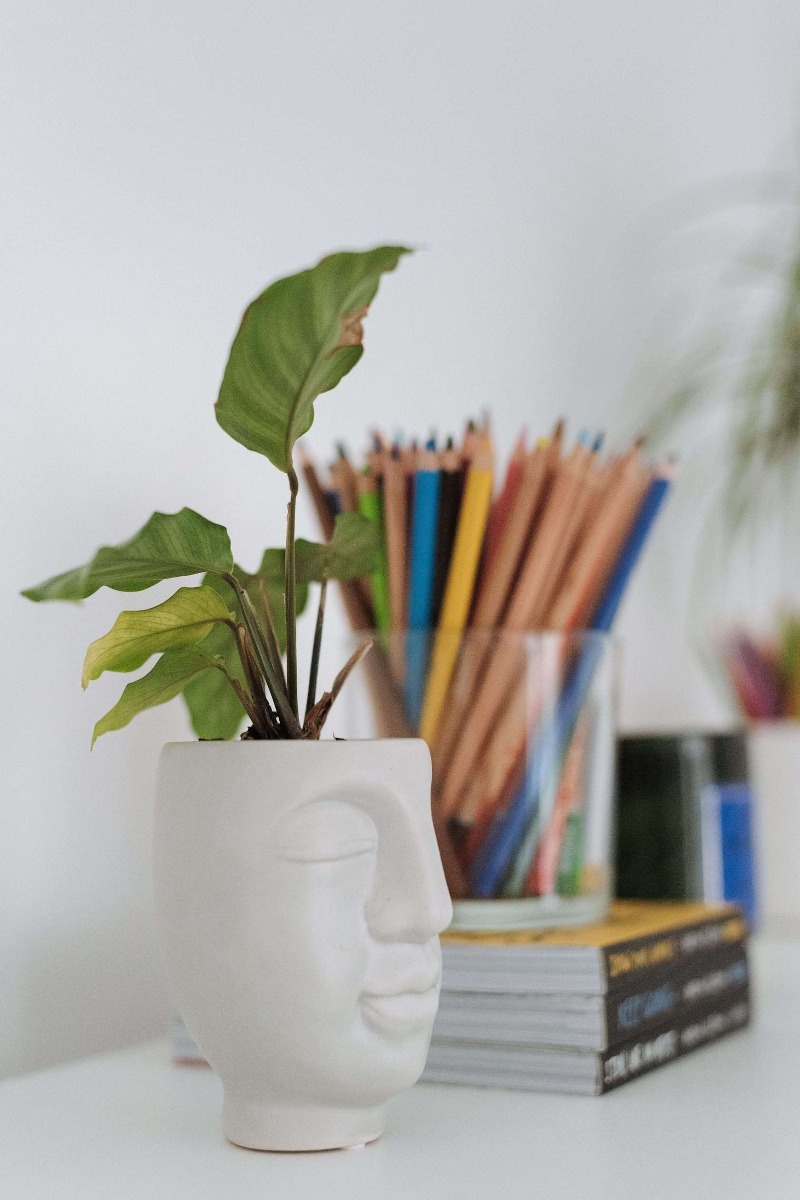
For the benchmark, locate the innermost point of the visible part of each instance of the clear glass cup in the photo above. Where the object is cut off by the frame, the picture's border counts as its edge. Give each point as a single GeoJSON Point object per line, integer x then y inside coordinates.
{"type": "Point", "coordinates": [522, 734]}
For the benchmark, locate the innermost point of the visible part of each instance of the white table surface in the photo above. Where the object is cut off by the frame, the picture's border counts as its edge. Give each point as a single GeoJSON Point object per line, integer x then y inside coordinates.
{"type": "Point", "coordinates": [720, 1124]}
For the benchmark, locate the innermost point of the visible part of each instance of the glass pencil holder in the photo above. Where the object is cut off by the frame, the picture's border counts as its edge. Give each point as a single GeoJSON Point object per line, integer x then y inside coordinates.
{"type": "Point", "coordinates": [522, 733]}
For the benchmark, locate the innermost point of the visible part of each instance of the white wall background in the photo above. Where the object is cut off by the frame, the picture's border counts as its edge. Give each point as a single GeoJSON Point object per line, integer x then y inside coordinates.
{"type": "Point", "coordinates": [162, 162]}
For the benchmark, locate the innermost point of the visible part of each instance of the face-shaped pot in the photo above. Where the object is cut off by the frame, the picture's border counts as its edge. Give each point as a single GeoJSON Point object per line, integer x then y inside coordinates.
{"type": "Point", "coordinates": [300, 896]}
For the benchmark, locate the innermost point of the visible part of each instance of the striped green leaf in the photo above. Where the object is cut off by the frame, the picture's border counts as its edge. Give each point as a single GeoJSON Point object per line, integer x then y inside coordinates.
{"type": "Point", "coordinates": [170, 675]}
{"type": "Point", "coordinates": [170, 545]}
{"type": "Point", "coordinates": [351, 553]}
{"type": "Point", "coordinates": [184, 620]}
{"type": "Point", "coordinates": [297, 340]}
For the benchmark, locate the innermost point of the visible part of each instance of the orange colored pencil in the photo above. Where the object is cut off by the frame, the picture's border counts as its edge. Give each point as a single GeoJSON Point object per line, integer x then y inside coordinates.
{"type": "Point", "coordinates": [605, 537]}
{"type": "Point", "coordinates": [503, 504]}
{"type": "Point", "coordinates": [595, 557]}
{"type": "Point", "coordinates": [543, 874]}
{"type": "Point", "coordinates": [491, 604]}
{"type": "Point", "coordinates": [555, 535]}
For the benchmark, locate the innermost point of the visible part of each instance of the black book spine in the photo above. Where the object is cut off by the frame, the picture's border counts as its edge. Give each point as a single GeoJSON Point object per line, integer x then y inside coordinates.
{"type": "Point", "coordinates": [672, 993]}
{"type": "Point", "coordinates": [670, 948]}
{"type": "Point", "coordinates": [641, 1055]}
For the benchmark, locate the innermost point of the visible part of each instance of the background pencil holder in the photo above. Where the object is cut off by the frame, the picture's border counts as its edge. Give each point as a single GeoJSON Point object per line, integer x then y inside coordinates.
{"type": "Point", "coordinates": [522, 735]}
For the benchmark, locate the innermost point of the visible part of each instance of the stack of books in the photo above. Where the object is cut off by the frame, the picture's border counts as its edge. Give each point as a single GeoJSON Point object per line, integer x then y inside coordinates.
{"type": "Point", "coordinates": [586, 1010]}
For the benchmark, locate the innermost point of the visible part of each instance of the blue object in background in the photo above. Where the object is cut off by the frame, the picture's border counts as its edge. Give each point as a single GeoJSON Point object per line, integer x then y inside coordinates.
{"type": "Point", "coordinates": [686, 819]}
{"type": "Point", "coordinates": [729, 846]}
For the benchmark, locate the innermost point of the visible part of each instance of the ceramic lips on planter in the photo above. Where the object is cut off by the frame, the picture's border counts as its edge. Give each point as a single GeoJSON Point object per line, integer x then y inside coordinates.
{"type": "Point", "coordinates": [300, 895]}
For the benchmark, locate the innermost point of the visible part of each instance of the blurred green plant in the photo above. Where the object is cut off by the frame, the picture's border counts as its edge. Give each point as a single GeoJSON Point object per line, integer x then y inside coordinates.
{"type": "Point", "coordinates": [729, 394]}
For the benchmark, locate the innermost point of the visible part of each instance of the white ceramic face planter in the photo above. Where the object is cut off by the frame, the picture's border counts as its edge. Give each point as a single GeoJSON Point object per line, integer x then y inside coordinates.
{"type": "Point", "coordinates": [300, 896]}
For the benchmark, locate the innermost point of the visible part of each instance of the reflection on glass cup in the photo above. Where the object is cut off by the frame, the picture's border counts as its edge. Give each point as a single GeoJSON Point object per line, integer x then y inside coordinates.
{"type": "Point", "coordinates": [521, 729]}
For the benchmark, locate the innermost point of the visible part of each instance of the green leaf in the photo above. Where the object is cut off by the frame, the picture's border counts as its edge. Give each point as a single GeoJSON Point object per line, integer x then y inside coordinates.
{"type": "Point", "coordinates": [214, 708]}
{"type": "Point", "coordinates": [273, 589]}
{"type": "Point", "coordinates": [215, 711]}
{"type": "Point", "coordinates": [351, 553]}
{"type": "Point", "coordinates": [297, 340]}
{"type": "Point", "coordinates": [184, 620]}
{"type": "Point", "coordinates": [168, 546]}
{"type": "Point", "coordinates": [167, 679]}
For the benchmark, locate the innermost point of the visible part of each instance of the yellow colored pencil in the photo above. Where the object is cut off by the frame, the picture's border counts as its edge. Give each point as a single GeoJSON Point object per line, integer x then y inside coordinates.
{"type": "Point", "coordinates": [460, 584]}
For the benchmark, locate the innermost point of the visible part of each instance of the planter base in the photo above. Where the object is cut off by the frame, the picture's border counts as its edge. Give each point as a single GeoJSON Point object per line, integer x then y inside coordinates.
{"type": "Point", "coordinates": [259, 1126]}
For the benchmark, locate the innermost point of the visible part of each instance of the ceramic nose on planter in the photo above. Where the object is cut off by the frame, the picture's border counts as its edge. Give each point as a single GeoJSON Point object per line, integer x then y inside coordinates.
{"type": "Point", "coordinates": [409, 900]}
{"type": "Point", "coordinates": [300, 894]}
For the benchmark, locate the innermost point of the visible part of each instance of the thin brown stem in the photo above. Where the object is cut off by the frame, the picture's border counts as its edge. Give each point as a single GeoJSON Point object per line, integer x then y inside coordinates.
{"type": "Point", "coordinates": [258, 643]}
{"type": "Point", "coordinates": [290, 592]}
{"type": "Point", "coordinates": [244, 697]}
{"type": "Point", "coordinates": [317, 647]}
{"type": "Point", "coordinates": [254, 680]}
{"type": "Point", "coordinates": [318, 715]}
{"type": "Point", "coordinates": [266, 722]}
{"type": "Point", "coordinates": [247, 704]}
{"type": "Point", "coordinates": [272, 633]}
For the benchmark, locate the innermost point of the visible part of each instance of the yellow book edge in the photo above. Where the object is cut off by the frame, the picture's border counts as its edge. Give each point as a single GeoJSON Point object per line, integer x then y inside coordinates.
{"type": "Point", "coordinates": [629, 920]}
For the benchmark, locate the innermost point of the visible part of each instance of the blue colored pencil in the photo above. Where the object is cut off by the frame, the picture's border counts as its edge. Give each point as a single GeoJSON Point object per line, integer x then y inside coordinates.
{"type": "Point", "coordinates": [606, 610]}
{"type": "Point", "coordinates": [427, 483]}
{"type": "Point", "coordinates": [513, 835]}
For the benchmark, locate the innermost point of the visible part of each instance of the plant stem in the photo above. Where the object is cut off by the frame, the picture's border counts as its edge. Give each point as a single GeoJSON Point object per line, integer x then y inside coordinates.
{"type": "Point", "coordinates": [272, 633]}
{"type": "Point", "coordinates": [265, 721]}
{"type": "Point", "coordinates": [247, 704]}
{"type": "Point", "coordinates": [274, 682]}
{"type": "Point", "coordinates": [315, 652]}
{"type": "Point", "coordinates": [314, 721]}
{"type": "Point", "coordinates": [290, 589]}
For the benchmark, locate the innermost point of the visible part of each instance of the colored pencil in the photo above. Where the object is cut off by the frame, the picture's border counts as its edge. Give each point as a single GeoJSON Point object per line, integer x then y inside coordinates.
{"type": "Point", "coordinates": [318, 498]}
{"type": "Point", "coordinates": [512, 838]}
{"type": "Point", "coordinates": [503, 503]}
{"type": "Point", "coordinates": [460, 582]}
{"type": "Point", "coordinates": [395, 519]}
{"type": "Point", "coordinates": [345, 480]}
{"type": "Point", "coordinates": [554, 550]}
{"type": "Point", "coordinates": [427, 482]}
{"type": "Point", "coordinates": [545, 560]}
{"type": "Point", "coordinates": [449, 503]}
{"type": "Point", "coordinates": [603, 538]}
{"type": "Point", "coordinates": [497, 584]}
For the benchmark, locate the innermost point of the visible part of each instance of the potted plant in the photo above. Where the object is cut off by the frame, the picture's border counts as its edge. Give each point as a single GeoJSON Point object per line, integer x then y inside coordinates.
{"type": "Point", "coordinates": [299, 889]}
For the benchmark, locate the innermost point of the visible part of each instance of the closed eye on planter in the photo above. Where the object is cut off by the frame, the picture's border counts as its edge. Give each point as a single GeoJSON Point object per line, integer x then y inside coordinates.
{"type": "Point", "coordinates": [326, 830]}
